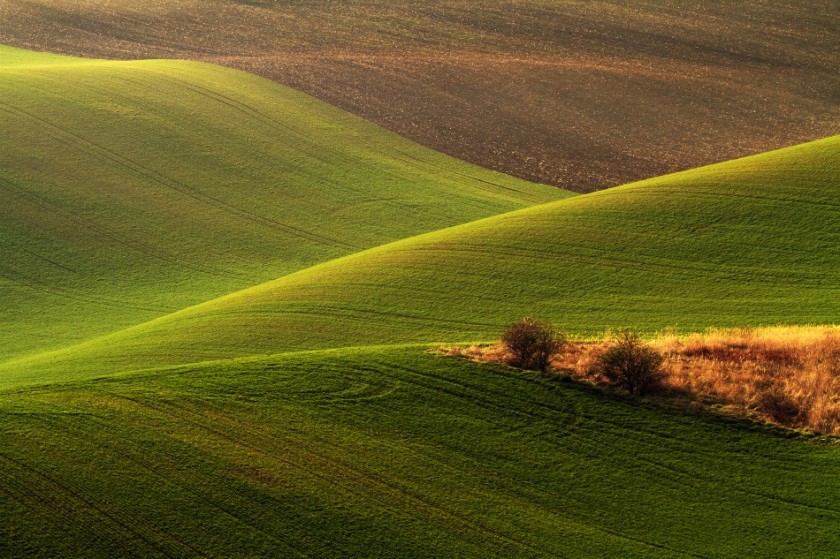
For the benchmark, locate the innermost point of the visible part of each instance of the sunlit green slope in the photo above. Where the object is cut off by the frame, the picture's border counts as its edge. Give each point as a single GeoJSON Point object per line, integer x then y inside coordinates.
{"type": "Point", "coordinates": [389, 453]}
{"type": "Point", "coordinates": [129, 190]}
{"type": "Point", "coordinates": [752, 241]}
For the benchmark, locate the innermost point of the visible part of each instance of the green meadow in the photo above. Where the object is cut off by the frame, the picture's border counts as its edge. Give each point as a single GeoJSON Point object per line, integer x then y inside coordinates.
{"type": "Point", "coordinates": [130, 190]}
{"type": "Point", "coordinates": [749, 242]}
{"type": "Point", "coordinates": [392, 452]}
{"type": "Point", "coordinates": [219, 297]}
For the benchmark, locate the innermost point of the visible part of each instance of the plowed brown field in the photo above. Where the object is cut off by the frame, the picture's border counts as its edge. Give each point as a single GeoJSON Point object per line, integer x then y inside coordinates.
{"type": "Point", "coordinates": [584, 95]}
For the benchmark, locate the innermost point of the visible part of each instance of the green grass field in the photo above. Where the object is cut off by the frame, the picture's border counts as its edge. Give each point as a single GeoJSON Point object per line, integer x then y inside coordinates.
{"type": "Point", "coordinates": [175, 235]}
{"type": "Point", "coordinates": [748, 242]}
{"type": "Point", "coordinates": [394, 453]}
{"type": "Point", "coordinates": [129, 190]}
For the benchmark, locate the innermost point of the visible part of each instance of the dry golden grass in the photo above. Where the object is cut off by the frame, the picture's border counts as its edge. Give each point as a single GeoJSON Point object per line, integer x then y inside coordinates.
{"type": "Point", "coordinates": [788, 376]}
{"type": "Point", "coordinates": [785, 375]}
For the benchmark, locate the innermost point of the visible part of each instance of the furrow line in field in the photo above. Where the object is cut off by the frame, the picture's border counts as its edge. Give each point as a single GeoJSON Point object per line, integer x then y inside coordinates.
{"type": "Point", "coordinates": [595, 449]}
{"type": "Point", "coordinates": [732, 193]}
{"type": "Point", "coordinates": [354, 313]}
{"type": "Point", "coordinates": [169, 183]}
{"type": "Point", "coordinates": [364, 479]}
{"type": "Point", "coordinates": [18, 248]}
{"type": "Point", "coordinates": [608, 258]}
{"type": "Point", "coordinates": [183, 415]}
{"type": "Point", "coordinates": [682, 477]}
{"type": "Point", "coordinates": [490, 398]}
{"type": "Point", "coordinates": [20, 491]}
{"type": "Point", "coordinates": [109, 235]}
{"type": "Point", "coordinates": [64, 293]}
{"type": "Point", "coordinates": [449, 171]}
{"type": "Point", "coordinates": [307, 446]}
{"type": "Point", "coordinates": [75, 496]}
{"type": "Point", "coordinates": [263, 118]}
{"type": "Point", "coordinates": [141, 458]}
{"type": "Point", "coordinates": [305, 140]}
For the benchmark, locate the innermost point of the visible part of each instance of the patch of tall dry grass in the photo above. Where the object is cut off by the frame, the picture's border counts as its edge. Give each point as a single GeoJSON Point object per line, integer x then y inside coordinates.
{"type": "Point", "coordinates": [785, 375]}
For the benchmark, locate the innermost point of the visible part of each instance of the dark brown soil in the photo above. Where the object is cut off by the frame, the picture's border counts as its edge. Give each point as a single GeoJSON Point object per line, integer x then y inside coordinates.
{"type": "Point", "coordinates": [584, 95]}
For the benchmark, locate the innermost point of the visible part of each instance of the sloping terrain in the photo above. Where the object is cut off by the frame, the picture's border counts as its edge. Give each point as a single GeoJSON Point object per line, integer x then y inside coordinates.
{"type": "Point", "coordinates": [749, 242]}
{"type": "Point", "coordinates": [130, 190]}
{"type": "Point", "coordinates": [394, 453]}
{"type": "Point", "coordinates": [585, 95]}
{"type": "Point", "coordinates": [138, 199]}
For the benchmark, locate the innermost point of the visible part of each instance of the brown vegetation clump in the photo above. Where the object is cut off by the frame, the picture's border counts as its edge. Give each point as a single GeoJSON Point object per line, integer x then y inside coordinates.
{"type": "Point", "coordinates": [531, 344]}
{"type": "Point", "coordinates": [789, 376]}
{"type": "Point", "coordinates": [632, 364]}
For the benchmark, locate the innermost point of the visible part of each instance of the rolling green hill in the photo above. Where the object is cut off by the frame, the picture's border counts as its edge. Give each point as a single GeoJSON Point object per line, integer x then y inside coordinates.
{"type": "Point", "coordinates": [748, 242]}
{"type": "Point", "coordinates": [138, 199]}
{"type": "Point", "coordinates": [394, 453]}
{"type": "Point", "coordinates": [130, 190]}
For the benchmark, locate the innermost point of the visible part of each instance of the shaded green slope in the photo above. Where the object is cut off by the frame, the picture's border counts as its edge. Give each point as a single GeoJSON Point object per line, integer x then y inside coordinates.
{"type": "Point", "coordinates": [394, 453]}
{"type": "Point", "coordinates": [749, 242]}
{"type": "Point", "coordinates": [129, 190]}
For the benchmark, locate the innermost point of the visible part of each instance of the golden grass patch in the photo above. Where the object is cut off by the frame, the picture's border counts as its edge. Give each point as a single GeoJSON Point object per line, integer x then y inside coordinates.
{"type": "Point", "coordinates": [787, 375]}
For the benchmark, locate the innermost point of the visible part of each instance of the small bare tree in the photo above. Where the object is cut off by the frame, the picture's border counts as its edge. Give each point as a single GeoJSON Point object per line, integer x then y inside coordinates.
{"type": "Point", "coordinates": [632, 364]}
{"type": "Point", "coordinates": [532, 344]}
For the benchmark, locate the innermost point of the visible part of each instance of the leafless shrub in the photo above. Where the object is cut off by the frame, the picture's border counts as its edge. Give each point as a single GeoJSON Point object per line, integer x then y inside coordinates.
{"type": "Point", "coordinates": [785, 375]}
{"type": "Point", "coordinates": [632, 364]}
{"type": "Point", "coordinates": [532, 344]}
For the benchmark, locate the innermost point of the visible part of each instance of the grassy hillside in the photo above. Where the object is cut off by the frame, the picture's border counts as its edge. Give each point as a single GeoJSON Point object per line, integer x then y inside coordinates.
{"type": "Point", "coordinates": [394, 453]}
{"type": "Point", "coordinates": [129, 190]}
{"type": "Point", "coordinates": [581, 94]}
{"type": "Point", "coordinates": [748, 242]}
{"type": "Point", "coordinates": [138, 199]}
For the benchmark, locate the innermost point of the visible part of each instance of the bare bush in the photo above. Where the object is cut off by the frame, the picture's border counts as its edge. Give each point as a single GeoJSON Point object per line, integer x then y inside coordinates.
{"type": "Point", "coordinates": [786, 375]}
{"type": "Point", "coordinates": [631, 364]}
{"type": "Point", "coordinates": [532, 344]}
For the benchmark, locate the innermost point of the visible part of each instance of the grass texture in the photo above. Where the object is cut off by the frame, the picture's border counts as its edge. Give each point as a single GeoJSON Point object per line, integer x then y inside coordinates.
{"type": "Point", "coordinates": [393, 452]}
{"type": "Point", "coordinates": [157, 214]}
{"type": "Point", "coordinates": [130, 190]}
{"type": "Point", "coordinates": [749, 242]}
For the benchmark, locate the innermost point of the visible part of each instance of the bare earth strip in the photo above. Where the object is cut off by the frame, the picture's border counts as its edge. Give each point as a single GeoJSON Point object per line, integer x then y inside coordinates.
{"type": "Point", "coordinates": [583, 95]}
